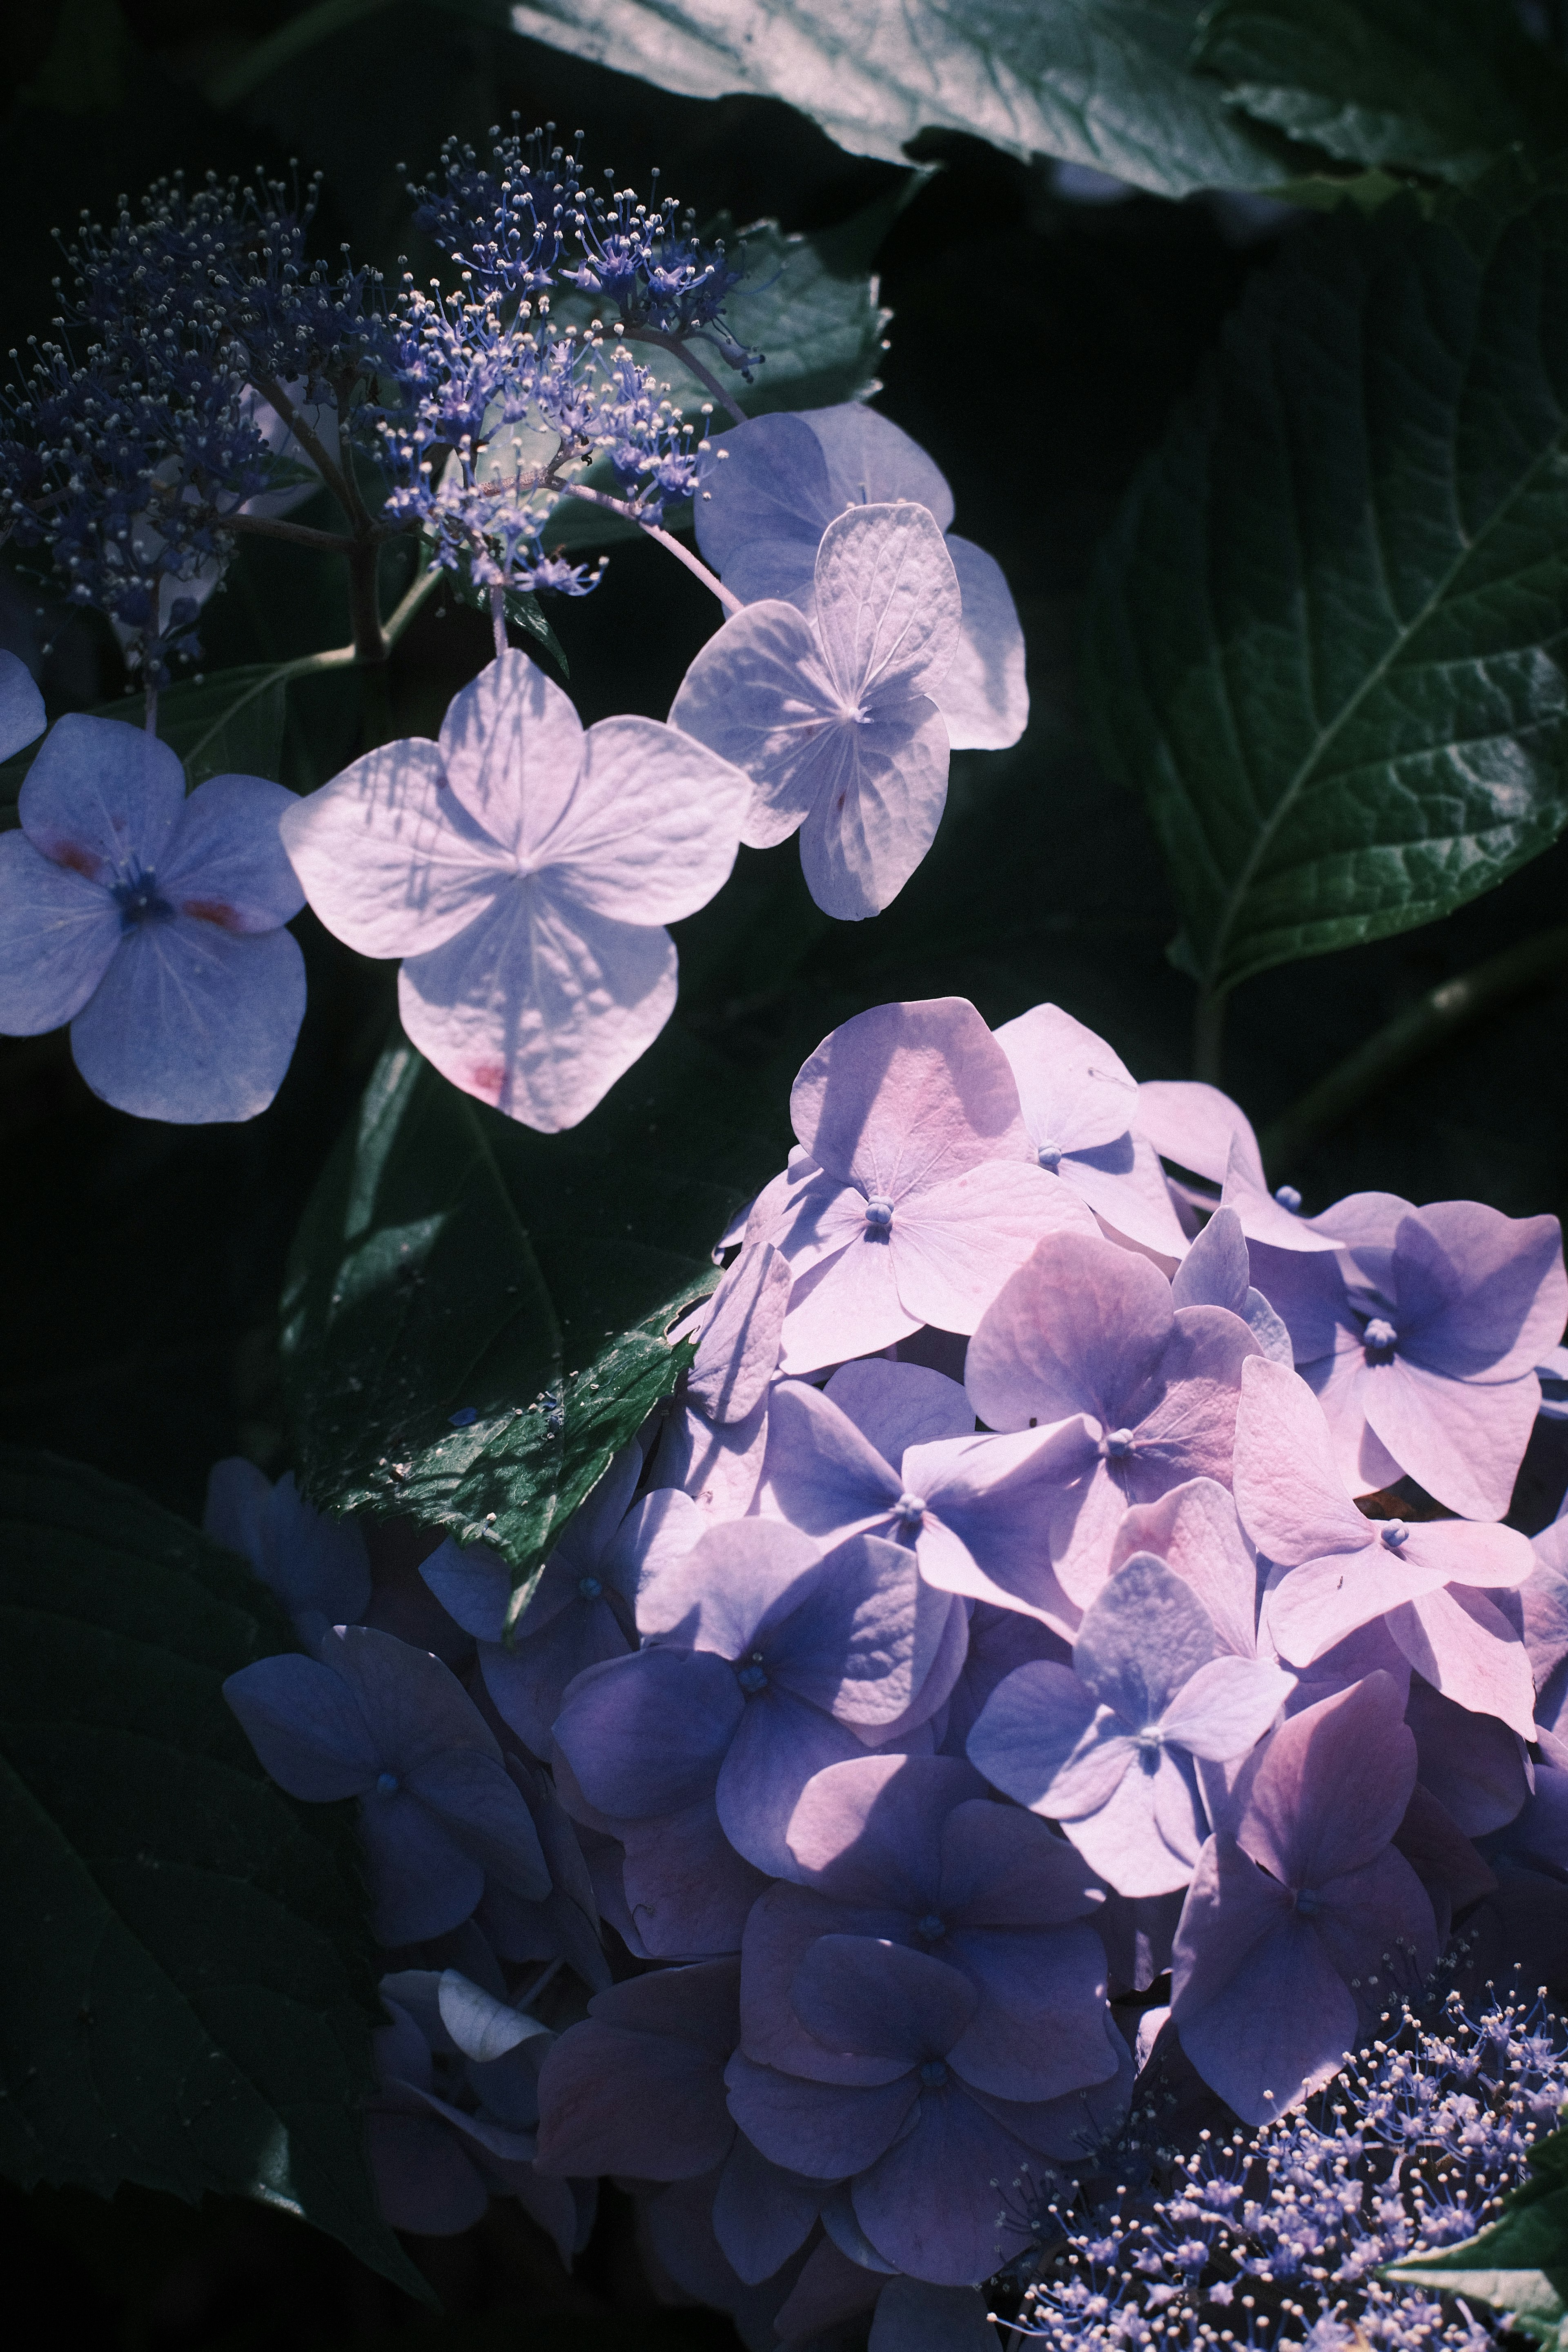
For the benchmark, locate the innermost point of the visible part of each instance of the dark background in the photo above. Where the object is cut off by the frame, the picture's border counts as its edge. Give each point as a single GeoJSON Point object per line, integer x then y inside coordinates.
{"type": "Point", "coordinates": [1038, 350]}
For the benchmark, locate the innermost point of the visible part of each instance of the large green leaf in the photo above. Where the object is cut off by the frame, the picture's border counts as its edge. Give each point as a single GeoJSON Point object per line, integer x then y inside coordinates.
{"type": "Point", "coordinates": [1101, 82]}
{"type": "Point", "coordinates": [452, 1262]}
{"type": "Point", "coordinates": [1434, 86]}
{"type": "Point", "coordinates": [1329, 632]}
{"type": "Point", "coordinates": [1519, 2264]}
{"type": "Point", "coordinates": [188, 1994]}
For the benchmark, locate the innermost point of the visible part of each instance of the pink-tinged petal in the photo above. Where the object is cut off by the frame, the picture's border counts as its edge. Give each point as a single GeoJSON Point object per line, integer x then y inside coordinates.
{"type": "Point", "coordinates": [648, 1734]}
{"type": "Point", "coordinates": [928, 2205]}
{"type": "Point", "coordinates": [1464, 1647]}
{"type": "Point", "coordinates": [870, 1832]}
{"type": "Point", "coordinates": [1146, 1837]}
{"type": "Point", "coordinates": [846, 1306]}
{"type": "Point", "coordinates": [1462, 1440]}
{"type": "Point", "coordinates": [512, 745]}
{"type": "Point", "coordinates": [688, 1891]}
{"type": "Point", "coordinates": [990, 1506]}
{"type": "Point", "coordinates": [1476, 1768]}
{"type": "Point", "coordinates": [191, 1023]}
{"type": "Point", "coordinates": [952, 1245]}
{"type": "Point", "coordinates": [389, 859]}
{"type": "Point", "coordinates": [758, 696]}
{"type": "Point", "coordinates": [863, 1997]}
{"type": "Point", "coordinates": [1485, 1295]}
{"type": "Point", "coordinates": [719, 1466]}
{"type": "Point", "coordinates": [1545, 1598]}
{"type": "Point", "coordinates": [58, 934]}
{"type": "Point", "coordinates": [1083, 1532]}
{"type": "Point", "coordinates": [1187, 1428]}
{"type": "Point", "coordinates": [896, 1406]}
{"type": "Point", "coordinates": [1078, 1328]}
{"type": "Point", "coordinates": [906, 1095]}
{"type": "Point", "coordinates": [540, 1005]}
{"type": "Point", "coordinates": [716, 1596]}
{"type": "Point", "coordinates": [820, 2129]}
{"type": "Point", "coordinates": [1333, 1786]}
{"type": "Point", "coordinates": [780, 1743]}
{"type": "Point", "coordinates": [651, 825]}
{"type": "Point", "coordinates": [22, 716]}
{"type": "Point", "coordinates": [1136, 1936]}
{"type": "Point", "coordinates": [861, 1636]}
{"type": "Point", "coordinates": [1226, 1707]}
{"type": "Point", "coordinates": [1074, 1092]}
{"type": "Point", "coordinates": [1145, 1635]}
{"type": "Point", "coordinates": [1263, 1218]}
{"type": "Point", "coordinates": [820, 1472]}
{"type": "Point", "coordinates": [1377, 1927]}
{"type": "Point", "coordinates": [1279, 2029]}
{"type": "Point", "coordinates": [882, 787]}
{"type": "Point", "coordinates": [871, 460]}
{"type": "Point", "coordinates": [225, 862]}
{"type": "Point", "coordinates": [783, 1925]}
{"type": "Point", "coordinates": [1196, 1126]}
{"type": "Point", "coordinates": [1040, 2030]}
{"type": "Point", "coordinates": [1315, 1606]}
{"type": "Point", "coordinates": [1194, 1529]}
{"type": "Point", "coordinates": [1125, 1186]}
{"type": "Point", "coordinates": [985, 695]}
{"type": "Point", "coordinates": [740, 1345]}
{"type": "Point", "coordinates": [1232, 1907]}
{"type": "Point", "coordinates": [889, 606]}
{"type": "Point", "coordinates": [102, 798]}
{"type": "Point", "coordinates": [1287, 1490]}
{"type": "Point", "coordinates": [823, 1217]}
{"type": "Point", "coordinates": [1042, 1740]}
{"type": "Point", "coordinates": [762, 2213]}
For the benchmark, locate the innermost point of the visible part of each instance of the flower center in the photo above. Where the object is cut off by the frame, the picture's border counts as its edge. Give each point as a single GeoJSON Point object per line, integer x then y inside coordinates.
{"type": "Point", "coordinates": [139, 902]}
{"type": "Point", "coordinates": [1288, 1198]}
{"type": "Point", "coordinates": [932, 1929]}
{"type": "Point", "coordinates": [751, 1675]}
{"type": "Point", "coordinates": [909, 1508]}
{"type": "Point", "coordinates": [1380, 1336]}
{"type": "Point", "coordinates": [1049, 1155]}
{"type": "Point", "coordinates": [589, 1587]}
{"type": "Point", "coordinates": [1308, 1902]}
{"type": "Point", "coordinates": [1116, 1444]}
{"type": "Point", "coordinates": [388, 1783]}
{"type": "Point", "coordinates": [1394, 1533]}
{"type": "Point", "coordinates": [879, 1212]}
{"type": "Point", "coordinates": [933, 2074]}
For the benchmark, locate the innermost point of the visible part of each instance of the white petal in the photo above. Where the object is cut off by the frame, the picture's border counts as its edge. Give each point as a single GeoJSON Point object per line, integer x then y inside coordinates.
{"type": "Point", "coordinates": [759, 696]}
{"type": "Point", "coordinates": [984, 696]}
{"type": "Point", "coordinates": [888, 607]}
{"type": "Point", "coordinates": [389, 860]}
{"type": "Point", "coordinates": [540, 1005]}
{"type": "Point", "coordinates": [871, 460]}
{"type": "Point", "coordinates": [57, 932]}
{"type": "Point", "coordinates": [653, 823]}
{"type": "Point", "coordinates": [193, 1024]}
{"type": "Point", "coordinates": [878, 814]}
{"type": "Point", "coordinates": [512, 745]}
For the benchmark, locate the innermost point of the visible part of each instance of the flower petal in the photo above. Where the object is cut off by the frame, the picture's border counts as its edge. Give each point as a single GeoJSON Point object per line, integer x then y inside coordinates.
{"type": "Point", "coordinates": [764, 503]}
{"type": "Point", "coordinates": [21, 713]}
{"type": "Point", "coordinates": [889, 606]}
{"type": "Point", "coordinates": [540, 1005]}
{"type": "Point", "coordinates": [512, 745]}
{"type": "Point", "coordinates": [58, 933]}
{"type": "Point", "coordinates": [875, 809]}
{"type": "Point", "coordinates": [651, 825]}
{"type": "Point", "coordinates": [225, 862]}
{"type": "Point", "coordinates": [870, 461]}
{"type": "Point", "coordinates": [758, 697]}
{"type": "Point", "coordinates": [102, 797]}
{"type": "Point", "coordinates": [905, 1096]}
{"type": "Point", "coordinates": [193, 1024]}
{"type": "Point", "coordinates": [985, 695]}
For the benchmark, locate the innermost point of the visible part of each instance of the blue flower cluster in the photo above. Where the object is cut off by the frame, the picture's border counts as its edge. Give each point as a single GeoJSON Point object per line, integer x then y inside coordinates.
{"type": "Point", "coordinates": [1047, 1686]}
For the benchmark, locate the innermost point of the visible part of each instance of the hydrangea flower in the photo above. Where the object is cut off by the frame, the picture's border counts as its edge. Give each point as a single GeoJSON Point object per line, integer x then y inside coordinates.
{"type": "Point", "coordinates": [917, 1190]}
{"type": "Point", "coordinates": [389, 1724]}
{"type": "Point", "coordinates": [1303, 1925]}
{"type": "Point", "coordinates": [832, 718]}
{"type": "Point", "coordinates": [770, 489]}
{"type": "Point", "coordinates": [21, 705]}
{"type": "Point", "coordinates": [1200, 1130]}
{"type": "Point", "coordinates": [318, 1566]}
{"type": "Point", "coordinates": [1085, 1328]}
{"type": "Point", "coordinates": [152, 924]}
{"type": "Point", "coordinates": [1108, 1748]}
{"type": "Point", "coordinates": [1080, 1104]}
{"type": "Point", "coordinates": [525, 869]}
{"type": "Point", "coordinates": [1336, 1570]}
{"type": "Point", "coordinates": [1421, 1340]}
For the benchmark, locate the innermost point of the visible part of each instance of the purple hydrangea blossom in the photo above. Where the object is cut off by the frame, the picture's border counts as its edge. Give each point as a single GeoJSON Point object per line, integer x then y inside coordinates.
{"type": "Point", "coordinates": [1216, 1272]}
{"type": "Point", "coordinates": [1197, 1128]}
{"type": "Point", "coordinates": [915, 1850]}
{"type": "Point", "coordinates": [581, 1613]}
{"type": "Point", "coordinates": [832, 718]}
{"type": "Point", "coordinates": [1195, 1530]}
{"type": "Point", "coordinates": [1086, 1329]}
{"type": "Point", "coordinates": [1081, 1105]}
{"type": "Point", "coordinates": [1108, 1748]}
{"type": "Point", "coordinates": [765, 1661]}
{"type": "Point", "coordinates": [152, 924]}
{"type": "Point", "coordinates": [389, 1724]}
{"type": "Point", "coordinates": [1336, 1570]}
{"type": "Point", "coordinates": [21, 705]}
{"type": "Point", "coordinates": [536, 965]}
{"type": "Point", "coordinates": [918, 1190]}
{"type": "Point", "coordinates": [770, 490]}
{"type": "Point", "coordinates": [1421, 1336]}
{"type": "Point", "coordinates": [319, 1568]}
{"type": "Point", "coordinates": [741, 1333]}
{"type": "Point", "coordinates": [1303, 1925]}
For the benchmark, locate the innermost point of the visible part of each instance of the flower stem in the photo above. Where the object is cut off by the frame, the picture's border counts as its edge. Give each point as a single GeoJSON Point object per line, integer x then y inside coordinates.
{"type": "Point", "coordinates": [1208, 1035]}
{"type": "Point", "coordinates": [149, 714]}
{"type": "Point", "coordinates": [338, 479]}
{"type": "Point", "coordinates": [498, 619]}
{"type": "Point", "coordinates": [1435, 1018]}
{"type": "Point", "coordinates": [403, 611]}
{"type": "Point", "coordinates": [693, 564]}
{"type": "Point", "coordinates": [688, 358]}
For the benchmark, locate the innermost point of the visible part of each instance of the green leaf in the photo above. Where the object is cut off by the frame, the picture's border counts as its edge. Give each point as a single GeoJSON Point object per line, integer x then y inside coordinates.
{"type": "Point", "coordinates": [229, 724]}
{"type": "Point", "coordinates": [1519, 2265]}
{"type": "Point", "coordinates": [1102, 82]}
{"type": "Point", "coordinates": [523, 611]}
{"type": "Point", "coordinates": [451, 1260]}
{"type": "Point", "coordinates": [1434, 86]}
{"type": "Point", "coordinates": [1327, 636]}
{"type": "Point", "coordinates": [188, 1986]}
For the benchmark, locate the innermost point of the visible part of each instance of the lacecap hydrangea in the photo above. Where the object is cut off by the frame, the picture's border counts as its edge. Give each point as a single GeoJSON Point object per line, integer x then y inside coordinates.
{"type": "Point", "coordinates": [1033, 1676]}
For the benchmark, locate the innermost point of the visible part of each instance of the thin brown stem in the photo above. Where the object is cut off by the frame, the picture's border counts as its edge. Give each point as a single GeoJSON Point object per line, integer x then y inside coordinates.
{"type": "Point", "coordinates": [688, 358]}
{"type": "Point", "coordinates": [693, 564]}
{"type": "Point", "coordinates": [338, 479]}
{"type": "Point", "coordinates": [365, 600]}
{"type": "Point", "coordinates": [299, 535]}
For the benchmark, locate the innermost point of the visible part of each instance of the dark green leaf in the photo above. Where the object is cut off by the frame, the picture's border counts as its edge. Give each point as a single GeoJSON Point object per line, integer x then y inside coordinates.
{"type": "Point", "coordinates": [1101, 82]}
{"type": "Point", "coordinates": [188, 1989]}
{"type": "Point", "coordinates": [1435, 86]}
{"type": "Point", "coordinates": [452, 1259]}
{"type": "Point", "coordinates": [229, 724]}
{"type": "Point", "coordinates": [523, 611]}
{"type": "Point", "coordinates": [1328, 638]}
{"type": "Point", "coordinates": [1520, 2265]}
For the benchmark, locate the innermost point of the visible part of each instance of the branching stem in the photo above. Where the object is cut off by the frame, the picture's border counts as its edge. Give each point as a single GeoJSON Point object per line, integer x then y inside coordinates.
{"type": "Point", "coordinates": [693, 564]}
{"type": "Point", "coordinates": [688, 358]}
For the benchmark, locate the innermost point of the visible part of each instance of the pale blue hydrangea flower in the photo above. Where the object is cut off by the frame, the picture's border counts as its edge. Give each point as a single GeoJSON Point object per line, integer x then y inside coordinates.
{"type": "Point", "coordinates": [154, 924]}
